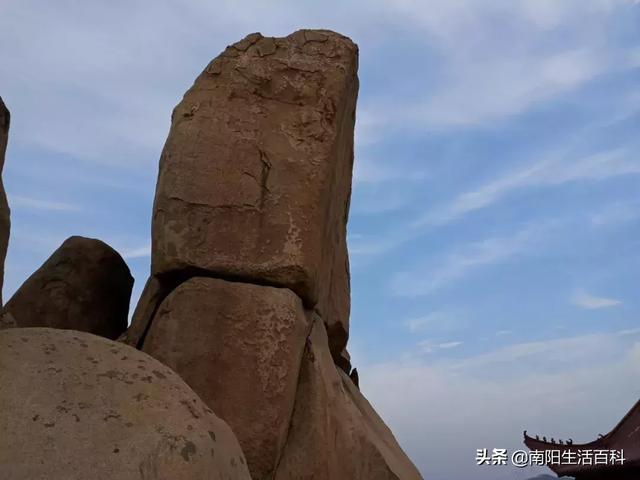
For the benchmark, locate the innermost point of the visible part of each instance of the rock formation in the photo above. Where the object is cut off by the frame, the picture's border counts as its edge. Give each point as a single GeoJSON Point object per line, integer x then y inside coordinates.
{"type": "Point", "coordinates": [239, 346]}
{"type": "Point", "coordinates": [255, 176]}
{"type": "Point", "coordinates": [85, 285]}
{"type": "Point", "coordinates": [248, 298]}
{"type": "Point", "coordinates": [75, 406]}
{"type": "Point", "coordinates": [334, 432]}
{"type": "Point", "coordinates": [5, 222]}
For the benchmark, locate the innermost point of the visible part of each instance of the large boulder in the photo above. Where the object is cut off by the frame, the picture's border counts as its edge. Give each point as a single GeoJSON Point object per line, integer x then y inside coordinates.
{"type": "Point", "coordinates": [255, 176]}
{"type": "Point", "coordinates": [85, 285]}
{"type": "Point", "coordinates": [75, 406]}
{"type": "Point", "coordinates": [335, 434]}
{"type": "Point", "coordinates": [239, 346]}
{"type": "Point", "coordinates": [5, 222]}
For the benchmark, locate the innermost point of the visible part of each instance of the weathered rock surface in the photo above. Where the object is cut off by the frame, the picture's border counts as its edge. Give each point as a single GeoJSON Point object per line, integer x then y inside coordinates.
{"type": "Point", "coordinates": [239, 346]}
{"type": "Point", "coordinates": [75, 406]}
{"type": "Point", "coordinates": [335, 434]}
{"type": "Point", "coordinates": [5, 222]}
{"type": "Point", "coordinates": [85, 285]}
{"type": "Point", "coordinates": [255, 176]}
{"type": "Point", "coordinates": [7, 321]}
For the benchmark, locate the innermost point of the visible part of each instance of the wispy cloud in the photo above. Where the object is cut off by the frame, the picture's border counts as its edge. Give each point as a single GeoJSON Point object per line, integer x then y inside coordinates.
{"type": "Point", "coordinates": [485, 80]}
{"type": "Point", "coordinates": [19, 201]}
{"type": "Point", "coordinates": [556, 169]}
{"type": "Point", "coordinates": [616, 214]}
{"type": "Point", "coordinates": [368, 170]}
{"type": "Point", "coordinates": [370, 245]}
{"type": "Point", "coordinates": [430, 346]}
{"type": "Point", "coordinates": [483, 77]}
{"type": "Point", "coordinates": [440, 320]}
{"type": "Point", "coordinates": [496, 88]}
{"type": "Point", "coordinates": [591, 302]}
{"type": "Point", "coordinates": [459, 264]}
{"type": "Point", "coordinates": [555, 387]}
{"type": "Point", "coordinates": [420, 323]}
{"type": "Point", "coordinates": [139, 252]}
{"type": "Point", "coordinates": [563, 349]}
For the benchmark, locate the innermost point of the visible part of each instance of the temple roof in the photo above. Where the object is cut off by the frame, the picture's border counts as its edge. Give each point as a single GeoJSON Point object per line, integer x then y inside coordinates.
{"type": "Point", "coordinates": [624, 436]}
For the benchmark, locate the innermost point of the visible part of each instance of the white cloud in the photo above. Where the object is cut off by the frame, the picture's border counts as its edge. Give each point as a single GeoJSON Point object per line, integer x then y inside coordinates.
{"type": "Point", "coordinates": [494, 60]}
{"type": "Point", "coordinates": [448, 21]}
{"type": "Point", "coordinates": [367, 125]}
{"type": "Point", "coordinates": [633, 58]}
{"type": "Point", "coordinates": [546, 353]}
{"type": "Point", "coordinates": [457, 265]}
{"type": "Point", "coordinates": [77, 76]}
{"type": "Point", "coordinates": [367, 170]}
{"type": "Point", "coordinates": [19, 201]}
{"type": "Point", "coordinates": [592, 302]}
{"type": "Point", "coordinates": [419, 324]}
{"type": "Point", "coordinates": [497, 60]}
{"type": "Point", "coordinates": [616, 214]}
{"type": "Point", "coordinates": [371, 245]}
{"type": "Point", "coordinates": [479, 93]}
{"type": "Point", "coordinates": [442, 411]}
{"type": "Point", "coordinates": [430, 346]}
{"type": "Point", "coordinates": [556, 169]}
{"type": "Point", "coordinates": [139, 252]}
{"type": "Point", "coordinates": [379, 202]}
{"type": "Point", "coordinates": [440, 320]}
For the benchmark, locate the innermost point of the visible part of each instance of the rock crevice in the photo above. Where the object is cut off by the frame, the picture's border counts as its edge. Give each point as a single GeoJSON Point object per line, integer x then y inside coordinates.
{"type": "Point", "coordinates": [5, 220]}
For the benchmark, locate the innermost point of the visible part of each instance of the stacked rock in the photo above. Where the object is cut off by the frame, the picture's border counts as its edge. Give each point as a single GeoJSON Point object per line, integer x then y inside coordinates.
{"type": "Point", "coordinates": [246, 308]}
{"type": "Point", "coordinates": [248, 298]}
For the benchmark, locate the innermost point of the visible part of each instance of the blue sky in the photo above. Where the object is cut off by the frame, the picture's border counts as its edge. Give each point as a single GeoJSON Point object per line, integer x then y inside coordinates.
{"type": "Point", "coordinates": [495, 213]}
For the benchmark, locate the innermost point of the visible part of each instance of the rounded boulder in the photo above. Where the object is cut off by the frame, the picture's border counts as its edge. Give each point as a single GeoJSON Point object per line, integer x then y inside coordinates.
{"type": "Point", "coordinates": [75, 406]}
